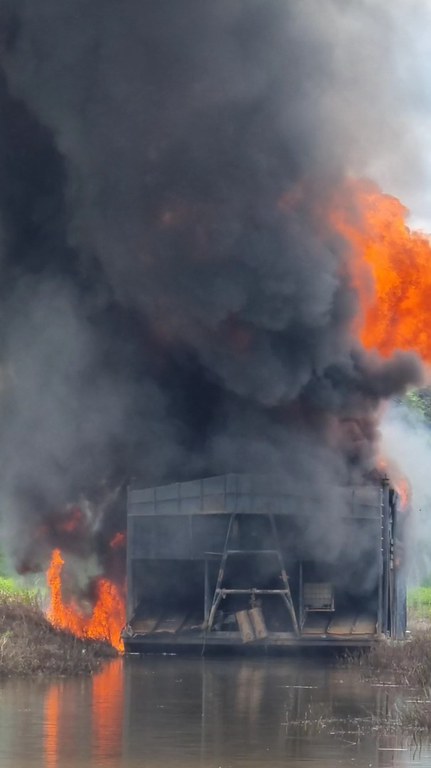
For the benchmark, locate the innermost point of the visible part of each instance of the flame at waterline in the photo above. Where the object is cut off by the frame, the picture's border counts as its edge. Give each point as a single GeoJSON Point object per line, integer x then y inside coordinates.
{"type": "Point", "coordinates": [107, 617]}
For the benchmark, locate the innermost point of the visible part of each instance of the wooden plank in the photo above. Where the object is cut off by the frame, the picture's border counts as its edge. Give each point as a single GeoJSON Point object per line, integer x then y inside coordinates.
{"type": "Point", "coordinates": [192, 623]}
{"type": "Point", "coordinates": [146, 625]}
{"type": "Point", "coordinates": [258, 623]}
{"type": "Point", "coordinates": [364, 625]}
{"type": "Point", "coordinates": [245, 626]}
{"type": "Point", "coordinates": [171, 624]}
{"type": "Point", "coordinates": [341, 625]}
{"type": "Point", "coordinates": [315, 624]}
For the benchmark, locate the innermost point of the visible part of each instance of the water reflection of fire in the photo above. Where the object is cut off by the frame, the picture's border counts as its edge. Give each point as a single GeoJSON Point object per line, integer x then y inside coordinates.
{"type": "Point", "coordinates": [107, 616]}
{"type": "Point", "coordinates": [62, 726]}
{"type": "Point", "coordinates": [51, 726]}
{"type": "Point", "coordinates": [107, 704]}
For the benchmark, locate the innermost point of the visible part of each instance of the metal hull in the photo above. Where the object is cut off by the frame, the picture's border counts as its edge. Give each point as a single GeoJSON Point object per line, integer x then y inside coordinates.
{"type": "Point", "coordinates": [231, 642]}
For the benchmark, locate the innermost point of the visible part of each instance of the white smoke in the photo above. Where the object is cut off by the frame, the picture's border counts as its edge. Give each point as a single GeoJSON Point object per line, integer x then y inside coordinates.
{"type": "Point", "coordinates": [406, 441]}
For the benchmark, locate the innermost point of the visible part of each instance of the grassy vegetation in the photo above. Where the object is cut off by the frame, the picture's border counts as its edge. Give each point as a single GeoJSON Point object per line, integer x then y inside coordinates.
{"type": "Point", "coordinates": [407, 663]}
{"type": "Point", "coordinates": [29, 645]}
{"type": "Point", "coordinates": [419, 603]}
{"type": "Point", "coordinates": [9, 587]}
{"type": "Point", "coordinates": [419, 400]}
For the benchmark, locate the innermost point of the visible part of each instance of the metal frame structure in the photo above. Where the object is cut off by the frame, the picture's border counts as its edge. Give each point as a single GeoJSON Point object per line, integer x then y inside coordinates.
{"type": "Point", "coordinates": [220, 592]}
{"type": "Point", "coordinates": [180, 530]}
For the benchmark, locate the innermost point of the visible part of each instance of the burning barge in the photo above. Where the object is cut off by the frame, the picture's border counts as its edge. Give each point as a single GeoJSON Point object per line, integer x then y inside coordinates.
{"type": "Point", "coordinates": [239, 561]}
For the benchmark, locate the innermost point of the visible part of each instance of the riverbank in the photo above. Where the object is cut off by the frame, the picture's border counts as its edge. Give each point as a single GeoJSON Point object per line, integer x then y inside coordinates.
{"type": "Point", "coordinates": [30, 645]}
{"type": "Point", "coordinates": [405, 665]}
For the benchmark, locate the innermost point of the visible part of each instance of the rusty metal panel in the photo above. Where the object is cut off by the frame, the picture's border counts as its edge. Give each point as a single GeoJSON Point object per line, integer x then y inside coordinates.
{"type": "Point", "coordinates": [258, 623]}
{"type": "Point", "coordinates": [245, 626]}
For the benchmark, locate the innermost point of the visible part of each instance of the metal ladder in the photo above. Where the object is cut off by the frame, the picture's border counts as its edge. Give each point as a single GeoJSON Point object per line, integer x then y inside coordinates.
{"type": "Point", "coordinates": [221, 592]}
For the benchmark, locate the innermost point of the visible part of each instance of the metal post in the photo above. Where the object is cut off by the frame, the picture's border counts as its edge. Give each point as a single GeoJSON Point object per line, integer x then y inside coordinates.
{"type": "Point", "coordinates": [217, 592]}
{"type": "Point", "coordinates": [287, 597]}
{"type": "Point", "coordinates": [207, 596]}
{"type": "Point", "coordinates": [385, 555]}
{"type": "Point", "coordinates": [129, 566]}
{"type": "Point", "coordinates": [301, 598]}
{"type": "Point", "coordinates": [379, 553]}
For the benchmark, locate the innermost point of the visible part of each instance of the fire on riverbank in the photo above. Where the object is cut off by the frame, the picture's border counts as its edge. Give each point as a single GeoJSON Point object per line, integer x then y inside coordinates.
{"type": "Point", "coordinates": [30, 645]}
{"type": "Point", "coordinates": [103, 622]}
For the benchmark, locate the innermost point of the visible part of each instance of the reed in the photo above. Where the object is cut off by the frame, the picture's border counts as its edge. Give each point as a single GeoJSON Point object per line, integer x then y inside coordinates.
{"type": "Point", "coordinates": [30, 645]}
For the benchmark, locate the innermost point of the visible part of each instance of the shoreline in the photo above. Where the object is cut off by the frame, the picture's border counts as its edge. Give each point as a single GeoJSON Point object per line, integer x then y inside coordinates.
{"type": "Point", "coordinates": [31, 646]}
{"type": "Point", "coordinates": [405, 665]}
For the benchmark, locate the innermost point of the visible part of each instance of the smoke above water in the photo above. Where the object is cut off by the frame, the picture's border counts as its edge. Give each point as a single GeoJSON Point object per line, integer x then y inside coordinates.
{"type": "Point", "coordinates": [166, 311]}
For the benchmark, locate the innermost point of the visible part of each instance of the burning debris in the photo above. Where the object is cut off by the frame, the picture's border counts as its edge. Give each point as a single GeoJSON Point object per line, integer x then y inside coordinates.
{"type": "Point", "coordinates": [191, 285]}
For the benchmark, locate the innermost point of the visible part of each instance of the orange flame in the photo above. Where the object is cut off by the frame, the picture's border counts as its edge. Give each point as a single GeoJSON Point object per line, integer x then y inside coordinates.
{"type": "Point", "coordinates": [108, 615]}
{"type": "Point", "coordinates": [402, 487]}
{"type": "Point", "coordinates": [396, 309]}
{"type": "Point", "coordinates": [73, 522]}
{"type": "Point", "coordinates": [399, 482]}
{"type": "Point", "coordinates": [118, 541]}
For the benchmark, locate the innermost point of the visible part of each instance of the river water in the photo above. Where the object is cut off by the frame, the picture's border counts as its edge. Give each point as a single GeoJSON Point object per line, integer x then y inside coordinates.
{"type": "Point", "coordinates": [208, 713]}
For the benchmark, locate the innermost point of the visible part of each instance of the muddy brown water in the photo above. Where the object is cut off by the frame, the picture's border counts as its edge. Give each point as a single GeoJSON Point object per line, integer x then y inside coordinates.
{"type": "Point", "coordinates": [207, 713]}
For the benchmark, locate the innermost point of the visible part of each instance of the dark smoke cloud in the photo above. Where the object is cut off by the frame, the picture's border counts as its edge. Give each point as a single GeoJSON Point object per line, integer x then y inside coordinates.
{"type": "Point", "coordinates": [163, 313]}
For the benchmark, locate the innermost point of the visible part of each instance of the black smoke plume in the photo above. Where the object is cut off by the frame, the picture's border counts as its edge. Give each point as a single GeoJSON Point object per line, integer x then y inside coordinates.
{"type": "Point", "coordinates": [163, 314]}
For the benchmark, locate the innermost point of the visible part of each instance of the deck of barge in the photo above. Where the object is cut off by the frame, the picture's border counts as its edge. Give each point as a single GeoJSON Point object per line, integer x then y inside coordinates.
{"type": "Point", "coordinates": [175, 634]}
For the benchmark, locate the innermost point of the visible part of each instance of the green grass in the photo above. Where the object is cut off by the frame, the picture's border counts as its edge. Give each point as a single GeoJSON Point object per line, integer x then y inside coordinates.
{"type": "Point", "coordinates": [10, 589]}
{"type": "Point", "coordinates": [419, 602]}
{"type": "Point", "coordinates": [6, 585]}
{"type": "Point", "coordinates": [419, 400]}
